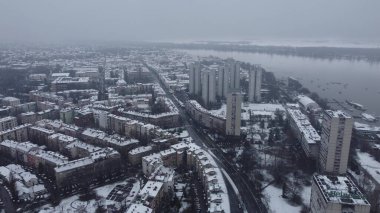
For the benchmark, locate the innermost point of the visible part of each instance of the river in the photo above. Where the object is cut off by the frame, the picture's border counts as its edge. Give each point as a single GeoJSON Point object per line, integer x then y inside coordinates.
{"type": "Point", "coordinates": [358, 81]}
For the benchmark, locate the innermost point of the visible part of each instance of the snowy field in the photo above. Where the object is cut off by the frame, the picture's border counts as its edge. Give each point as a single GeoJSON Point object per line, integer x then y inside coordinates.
{"type": "Point", "coordinates": [277, 204]}
{"type": "Point", "coordinates": [73, 204]}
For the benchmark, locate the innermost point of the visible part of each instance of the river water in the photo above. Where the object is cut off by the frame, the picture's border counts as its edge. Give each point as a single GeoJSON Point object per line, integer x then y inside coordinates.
{"type": "Point", "coordinates": [358, 81]}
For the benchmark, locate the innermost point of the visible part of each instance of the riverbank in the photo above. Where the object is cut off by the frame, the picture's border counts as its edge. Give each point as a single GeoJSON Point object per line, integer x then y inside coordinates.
{"type": "Point", "coordinates": [332, 79]}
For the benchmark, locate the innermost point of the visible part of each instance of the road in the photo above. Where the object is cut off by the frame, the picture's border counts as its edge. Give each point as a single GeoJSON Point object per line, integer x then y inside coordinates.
{"type": "Point", "coordinates": [251, 203]}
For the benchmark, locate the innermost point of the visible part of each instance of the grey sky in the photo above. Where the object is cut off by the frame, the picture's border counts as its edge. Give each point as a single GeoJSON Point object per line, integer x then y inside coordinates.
{"type": "Point", "coordinates": [123, 20]}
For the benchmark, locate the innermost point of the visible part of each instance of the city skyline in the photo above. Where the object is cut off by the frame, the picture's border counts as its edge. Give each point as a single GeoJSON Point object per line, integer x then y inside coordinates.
{"type": "Point", "coordinates": [201, 106]}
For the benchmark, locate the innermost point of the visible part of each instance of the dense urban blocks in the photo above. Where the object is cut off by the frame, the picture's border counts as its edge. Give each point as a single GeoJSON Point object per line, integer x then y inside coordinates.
{"type": "Point", "coordinates": [156, 130]}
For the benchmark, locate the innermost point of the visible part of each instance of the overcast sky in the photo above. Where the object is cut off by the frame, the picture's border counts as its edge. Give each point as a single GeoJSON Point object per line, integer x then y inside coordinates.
{"type": "Point", "coordinates": [165, 20]}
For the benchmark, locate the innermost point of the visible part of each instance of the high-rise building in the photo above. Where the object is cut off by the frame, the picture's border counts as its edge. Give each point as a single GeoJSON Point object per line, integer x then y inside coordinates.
{"type": "Point", "coordinates": [205, 86]}
{"type": "Point", "coordinates": [233, 114]}
{"type": "Point", "coordinates": [259, 78]}
{"type": "Point", "coordinates": [234, 70]}
{"type": "Point", "coordinates": [212, 86]}
{"type": "Point", "coordinates": [191, 78]}
{"type": "Point", "coordinates": [336, 194]}
{"type": "Point", "coordinates": [255, 77]}
{"type": "Point", "coordinates": [102, 87]}
{"type": "Point", "coordinates": [251, 86]}
{"type": "Point", "coordinates": [208, 87]}
{"type": "Point", "coordinates": [195, 78]}
{"type": "Point", "coordinates": [335, 142]}
{"type": "Point", "coordinates": [223, 81]}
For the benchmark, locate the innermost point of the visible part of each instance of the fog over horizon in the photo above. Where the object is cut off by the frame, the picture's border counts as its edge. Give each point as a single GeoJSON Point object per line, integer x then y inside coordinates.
{"type": "Point", "coordinates": [44, 21]}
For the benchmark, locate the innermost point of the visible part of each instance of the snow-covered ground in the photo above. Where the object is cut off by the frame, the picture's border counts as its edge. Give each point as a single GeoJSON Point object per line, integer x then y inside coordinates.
{"type": "Point", "coordinates": [184, 206]}
{"type": "Point", "coordinates": [73, 204]}
{"type": "Point", "coordinates": [70, 204]}
{"type": "Point", "coordinates": [277, 204]}
{"type": "Point", "coordinates": [262, 109]}
{"type": "Point", "coordinates": [306, 193]}
{"type": "Point", "coordinates": [239, 151]}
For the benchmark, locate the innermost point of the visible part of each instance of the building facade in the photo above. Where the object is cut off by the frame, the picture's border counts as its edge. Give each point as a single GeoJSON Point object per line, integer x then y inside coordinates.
{"type": "Point", "coordinates": [195, 78]}
{"type": "Point", "coordinates": [335, 142]}
{"type": "Point", "coordinates": [205, 117]}
{"type": "Point", "coordinates": [254, 88]}
{"type": "Point", "coordinates": [8, 123]}
{"type": "Point", "coordinates": [234, 69]}
{"type": "Point", "coordinates": [304, 132]}
{"type": "Point", "coordinates": [233, 115]}
{"type": "Point", "coordinates": [208, 87]}
{"type": "Point", "coordinates": [223, 81]}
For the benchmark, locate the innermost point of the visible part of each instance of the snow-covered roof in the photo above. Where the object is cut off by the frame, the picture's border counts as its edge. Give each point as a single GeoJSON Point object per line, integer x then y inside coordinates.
{"type": "Point", "coordinates": [8, 118]}
{"type": "Point", "coordinates": [84, 146]}
{"type": "Point", "coordinates": [339, 189]}
{"type": "Point", "coordinates": [9, 143]}
{"type": "Point", "coordinates": [151, 189]}
{"type": "Point", "coordinates": [255, 109]}
{"type": "Point", "coordinates": [109, 139]}
{"type": "Point", "coordinates": [26, 146]}
{"type": "Point", "coordinates": [365, 127]}
{"type": "Point", "coordinates": [168, 103]}
{"type": "Point", "coordinates": [163, 174]}
{"type": "Point", "coordinates": [371, 166]}
{"type": "Point", "coordinates": [141, 149]}
{"type": "Point", "coordinates": [368, 117]}
{"type": "Point", "coordinates": [28, 177]}
{"type": "Point", "coordinates": [96, 154]}
{"type": "Point", "coordinates": [62, 138]}
{"type": "Point", "coordinates": [41, 129]}
{"type": "Point", "coordinates": [52, 157]}
{"type": "Point", "coordinates": [15, 168]}
{"type": "Point", "coordinates": [14, 129]}
{"type": "Point", "coordinates": [56, 124]}
{"type": "Point", "coordinates": [167, 152]}
{"type": "Point", "coordinates": [10, 99]}
{"type": "Point", "coordinates": [156, 157]}
{"type": "Point", "coordinates": [60, 74]}
{"type": "Point", "coordinates": [104, 153]}
{"type": "Point", "coordinates": [69, 80]}
{"type": "Point", "coordinates": [5, 173]}
{"type": "Point", "coordinates": [213, 174]}
{"type": "Point", "coordinates": [337, 114]}
{"type": "Point", "coordinates": [179, 146]}
{"type": "Point", "coordinates": [139, 208]}
{"type": "Point", "coordinates": [304, 126]}
{"type": "Point", "coordinates": [74, 164]}
{"type": "Point", "coordinates": [217, 113]}
{"type": "Point", "coordinates": [118, 117]}
{"type": "Point", "coordinates": [308, 103]}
